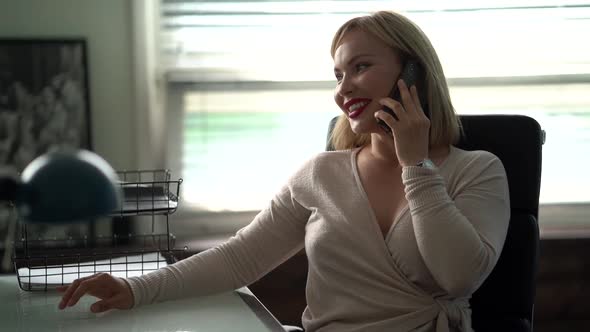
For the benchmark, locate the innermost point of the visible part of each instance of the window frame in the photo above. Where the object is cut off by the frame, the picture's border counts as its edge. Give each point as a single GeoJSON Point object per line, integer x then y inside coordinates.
{"type": "Point", "coordinates": [193, 221]}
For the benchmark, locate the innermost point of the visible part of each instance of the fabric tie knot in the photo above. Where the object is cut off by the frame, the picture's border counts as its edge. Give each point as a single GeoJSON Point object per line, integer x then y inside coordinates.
{"type": "Point", "coordinates": [452, 314]}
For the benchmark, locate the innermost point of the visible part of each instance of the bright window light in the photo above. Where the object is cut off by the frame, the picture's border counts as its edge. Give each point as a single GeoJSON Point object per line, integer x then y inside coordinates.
{"type": "Point", "coordinates": [242, 137]}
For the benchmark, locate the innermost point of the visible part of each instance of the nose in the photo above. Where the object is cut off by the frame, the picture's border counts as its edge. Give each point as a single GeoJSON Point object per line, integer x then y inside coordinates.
{"type": "Point", "coordinates": [345, 87]}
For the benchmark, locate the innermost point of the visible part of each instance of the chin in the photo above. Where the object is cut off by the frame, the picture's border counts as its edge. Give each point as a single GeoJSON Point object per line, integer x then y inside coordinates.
{"type": "Point", "coordinates": [356, 127]}
{"type": "Point", "coordinates": [364, 127]}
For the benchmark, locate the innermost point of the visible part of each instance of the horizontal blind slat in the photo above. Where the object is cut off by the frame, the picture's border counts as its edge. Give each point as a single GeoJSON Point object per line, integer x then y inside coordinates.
{"type": "Point", "coordinates": [252, 40]}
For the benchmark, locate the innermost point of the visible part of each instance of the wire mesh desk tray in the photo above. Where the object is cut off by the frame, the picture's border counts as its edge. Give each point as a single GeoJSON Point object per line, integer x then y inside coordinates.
{"type": "Point", "coordinates": [43, 263]}
{"type": "Point", "coordinates": [148, 192]}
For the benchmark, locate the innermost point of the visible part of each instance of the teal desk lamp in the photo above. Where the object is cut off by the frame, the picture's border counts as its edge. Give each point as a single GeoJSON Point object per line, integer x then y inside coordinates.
{"type": "Point", "coordinates": [63, 187]}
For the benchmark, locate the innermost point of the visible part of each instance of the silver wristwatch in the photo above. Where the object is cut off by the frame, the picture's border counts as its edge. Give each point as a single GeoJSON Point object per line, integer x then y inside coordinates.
{"type": "Point", "coordinates": [426, 163]}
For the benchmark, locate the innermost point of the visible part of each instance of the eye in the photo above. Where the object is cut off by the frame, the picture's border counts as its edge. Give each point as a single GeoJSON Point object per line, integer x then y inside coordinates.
{"type": "Point", "coordinates": [338, 77]}
{"type": "Point", "coordinates": [362, 66]}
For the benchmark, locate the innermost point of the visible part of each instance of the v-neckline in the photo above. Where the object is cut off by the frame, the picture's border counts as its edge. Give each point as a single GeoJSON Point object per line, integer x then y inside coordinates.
{"type": "Point", "coordinates": [361, 188]}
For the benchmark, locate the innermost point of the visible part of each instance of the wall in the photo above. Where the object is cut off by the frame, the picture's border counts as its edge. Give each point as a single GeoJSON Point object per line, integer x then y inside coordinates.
{"type": "Point", "coordinates": [107, 27]}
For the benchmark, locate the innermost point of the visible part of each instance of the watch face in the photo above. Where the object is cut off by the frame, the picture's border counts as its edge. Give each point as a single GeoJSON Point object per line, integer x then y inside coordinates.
{"type": "Point", "coordinates": [427, 163]}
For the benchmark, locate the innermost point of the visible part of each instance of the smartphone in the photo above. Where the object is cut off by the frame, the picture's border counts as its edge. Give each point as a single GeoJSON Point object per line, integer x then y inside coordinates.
{"type": "Point", "coordinates": [410, 74]}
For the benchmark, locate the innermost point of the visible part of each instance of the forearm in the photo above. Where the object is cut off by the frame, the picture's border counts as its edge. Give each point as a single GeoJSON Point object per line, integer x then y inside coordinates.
{"type": "Point", "coordinates": [201, 274]}
{"type": "Point", "coordinates": [459, 239]}
{"type": "Point", "coordinates": [272, 237]}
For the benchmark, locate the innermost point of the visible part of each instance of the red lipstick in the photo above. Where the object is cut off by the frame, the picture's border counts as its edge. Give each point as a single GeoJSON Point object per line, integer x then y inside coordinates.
{"type": "Point", "coordinates": [356, 106]}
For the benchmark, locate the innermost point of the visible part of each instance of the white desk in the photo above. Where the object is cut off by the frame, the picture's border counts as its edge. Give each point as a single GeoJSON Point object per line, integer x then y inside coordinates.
{"type": "Point", "coordinates": [37, 311]}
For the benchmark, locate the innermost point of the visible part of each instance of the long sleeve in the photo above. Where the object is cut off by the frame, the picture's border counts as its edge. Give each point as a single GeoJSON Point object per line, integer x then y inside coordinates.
{"type": "Point", "coordinates": [274, 235]}
{"type": "Point", "coordinates": [460, 234]}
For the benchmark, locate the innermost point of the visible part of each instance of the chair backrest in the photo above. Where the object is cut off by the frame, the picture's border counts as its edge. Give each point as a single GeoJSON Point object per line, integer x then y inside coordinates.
{"type": "Point", "coordinates": [505, 300]}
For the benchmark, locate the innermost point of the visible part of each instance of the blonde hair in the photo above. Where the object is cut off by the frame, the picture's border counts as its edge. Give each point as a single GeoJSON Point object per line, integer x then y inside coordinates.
{"type": "Point", "coordinates": [409, 42]}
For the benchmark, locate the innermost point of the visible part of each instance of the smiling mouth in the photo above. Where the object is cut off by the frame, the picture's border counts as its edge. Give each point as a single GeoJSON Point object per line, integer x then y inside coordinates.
{"type": "Point", "coordinates": [357, 108]}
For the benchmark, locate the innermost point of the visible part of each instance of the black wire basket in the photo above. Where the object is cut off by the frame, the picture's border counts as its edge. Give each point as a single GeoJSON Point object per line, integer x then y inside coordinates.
{"type": "Point", "coordinates": [43, 261]}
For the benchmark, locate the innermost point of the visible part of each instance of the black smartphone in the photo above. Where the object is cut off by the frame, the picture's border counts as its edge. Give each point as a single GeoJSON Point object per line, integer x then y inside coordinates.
{"type": "Point", "coordinates": [410, 74]}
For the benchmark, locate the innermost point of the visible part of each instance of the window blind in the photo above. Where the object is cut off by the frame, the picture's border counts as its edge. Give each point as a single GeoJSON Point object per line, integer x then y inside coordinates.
{"type": "Point", "coordinates": [256, 83]}
{"type": "Point", "coordinates": [290, 40]}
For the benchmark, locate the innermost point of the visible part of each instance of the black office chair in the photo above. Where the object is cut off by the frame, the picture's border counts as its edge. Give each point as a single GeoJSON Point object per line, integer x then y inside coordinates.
{"type": "Point", "coordinates": [505, 301]}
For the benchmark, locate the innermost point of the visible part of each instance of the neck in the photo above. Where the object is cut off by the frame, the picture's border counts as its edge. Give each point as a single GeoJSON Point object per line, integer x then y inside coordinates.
{"type": "Point", "coordinates": [382, 151]}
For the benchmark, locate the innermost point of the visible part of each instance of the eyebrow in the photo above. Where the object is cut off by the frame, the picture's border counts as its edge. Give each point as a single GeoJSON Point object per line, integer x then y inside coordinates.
{"type": "Point", "coordinates": [354, 58]}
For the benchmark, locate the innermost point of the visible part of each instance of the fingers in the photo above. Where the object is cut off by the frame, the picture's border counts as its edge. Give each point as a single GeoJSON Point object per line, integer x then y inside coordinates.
{"type": "Point", "coordinates": [82, 289]}
{"type": "Point", "coordinates": [69, 290]}
{"type": "Point", "coordinates": [407, 99]}
{"type": "Point", "coordinates": [104, 305]}
{"type": "Point", "coordinates": [100, 306]}
{"type": "Point", "coordinates": [390, 119]}
{"type": "Point", "coordinates": [410, 99]}
{"type": "Point", "coordinates": [400, 108]}
{"type": "Point", "coordinates": [415, 96]}
{"type": "Point", "coordinates": [114, 293]}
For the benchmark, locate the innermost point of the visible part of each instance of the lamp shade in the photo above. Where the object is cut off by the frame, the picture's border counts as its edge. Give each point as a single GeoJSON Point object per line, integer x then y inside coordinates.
{"type": "Point", "coordinates": [67, 187]}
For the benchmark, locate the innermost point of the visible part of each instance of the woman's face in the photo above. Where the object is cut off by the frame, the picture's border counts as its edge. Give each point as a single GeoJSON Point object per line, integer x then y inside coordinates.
{"type": "Point", "coordinates": [366, 70]}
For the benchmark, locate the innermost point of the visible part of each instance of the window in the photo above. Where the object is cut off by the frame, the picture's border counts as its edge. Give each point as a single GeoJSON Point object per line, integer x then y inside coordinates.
{"type": "Point", "coordinates": [250, 84]}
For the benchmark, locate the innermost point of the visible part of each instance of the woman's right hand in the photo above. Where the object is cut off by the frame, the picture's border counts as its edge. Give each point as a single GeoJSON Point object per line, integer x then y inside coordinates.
{"type": "Point", "coordinates": [114, 293]}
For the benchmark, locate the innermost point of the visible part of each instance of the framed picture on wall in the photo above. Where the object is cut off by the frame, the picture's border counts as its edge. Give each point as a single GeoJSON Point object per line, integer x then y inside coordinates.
{"type": "Point", "coordinates": [44, 106]}
{"type": "Point", "coordinates": [44, 98]}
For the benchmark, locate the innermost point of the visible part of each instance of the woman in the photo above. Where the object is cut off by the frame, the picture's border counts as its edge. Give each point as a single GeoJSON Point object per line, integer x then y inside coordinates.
{"type": "Point", "coordinates": [399, 226]}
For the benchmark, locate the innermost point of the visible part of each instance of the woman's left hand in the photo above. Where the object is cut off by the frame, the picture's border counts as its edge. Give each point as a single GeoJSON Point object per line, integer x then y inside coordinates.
{"type": "Point", "coordinates": [411, 130]}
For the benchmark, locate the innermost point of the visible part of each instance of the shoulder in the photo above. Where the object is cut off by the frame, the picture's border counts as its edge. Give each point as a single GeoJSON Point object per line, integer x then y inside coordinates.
{"type": "Point", "coordinates": [322, 166]}
{"type": "Point", "coordinates": [331, 158]}
{"type": "Point", "coordinates": [473, 159]}
{"type": "Point", "coordinates": [326, 161]}
{"type": "Point", "coordinates": [473, 164]}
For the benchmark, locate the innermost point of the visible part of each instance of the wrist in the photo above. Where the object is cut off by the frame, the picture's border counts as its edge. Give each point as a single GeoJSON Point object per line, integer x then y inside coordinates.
{"type": "Point", "coordinates": [420, 162]}
{"type": "Point", "coordinates": [426, 163]}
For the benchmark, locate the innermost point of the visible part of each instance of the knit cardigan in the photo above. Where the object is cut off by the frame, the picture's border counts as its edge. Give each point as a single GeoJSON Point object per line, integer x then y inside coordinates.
{"type": "Point", "coordinates": [419, 277]}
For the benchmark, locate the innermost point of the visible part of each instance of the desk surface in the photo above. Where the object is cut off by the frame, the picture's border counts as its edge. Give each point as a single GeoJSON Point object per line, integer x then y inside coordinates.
{"type": "Point", "coordinates": [37, 311]}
